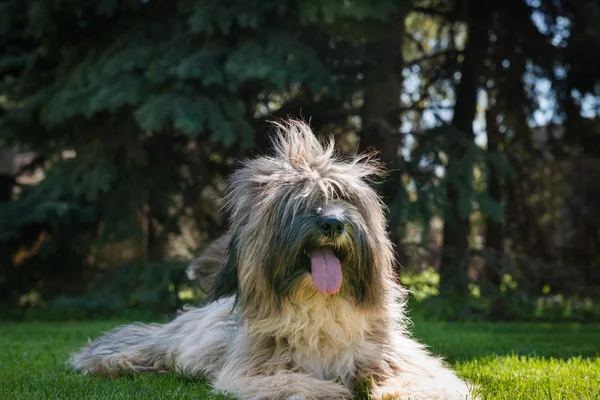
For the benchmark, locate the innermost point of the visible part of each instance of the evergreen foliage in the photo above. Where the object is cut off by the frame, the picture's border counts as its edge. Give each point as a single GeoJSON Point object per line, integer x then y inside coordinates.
{"type": "Point", "coordinates": [136, 110]}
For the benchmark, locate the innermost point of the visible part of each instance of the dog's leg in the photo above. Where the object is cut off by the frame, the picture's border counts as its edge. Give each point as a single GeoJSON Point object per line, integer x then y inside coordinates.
{"type": "Point", "coordinates": [282, 385]}
{"type": "Point", "coordinates": [420, 387]}
{"type": "Point", "coordinates": [404, 369]}
{"type": "Point", "coordinates": [125, 350]}
{"type": "Point", "coordinates": [192, 344]}
{"type": "Point", "coordinates": [423, 378]}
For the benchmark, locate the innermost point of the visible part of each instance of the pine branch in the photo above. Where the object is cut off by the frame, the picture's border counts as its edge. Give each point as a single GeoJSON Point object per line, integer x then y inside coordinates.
{"type": "Point", "coordinates": [433, 11]}
{"type": "Point", "coordinates": [449, 53]}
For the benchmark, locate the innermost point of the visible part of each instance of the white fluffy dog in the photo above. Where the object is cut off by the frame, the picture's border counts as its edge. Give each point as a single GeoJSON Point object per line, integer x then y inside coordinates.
{"type": "Point", "coordinates": [305, 304]}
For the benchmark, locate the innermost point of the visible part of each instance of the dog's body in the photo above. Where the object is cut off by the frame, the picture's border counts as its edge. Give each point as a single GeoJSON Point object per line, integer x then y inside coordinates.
{"type": "Point", "coordinates": [304, 303]}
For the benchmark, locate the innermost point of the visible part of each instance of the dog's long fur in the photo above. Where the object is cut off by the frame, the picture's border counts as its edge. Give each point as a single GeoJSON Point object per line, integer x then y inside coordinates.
{"type": "Point", "coordinates": [267, 333]}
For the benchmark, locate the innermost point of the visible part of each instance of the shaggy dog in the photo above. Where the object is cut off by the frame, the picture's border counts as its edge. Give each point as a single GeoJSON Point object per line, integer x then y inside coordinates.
{"type": "Point", "coordinates": [305, 304]}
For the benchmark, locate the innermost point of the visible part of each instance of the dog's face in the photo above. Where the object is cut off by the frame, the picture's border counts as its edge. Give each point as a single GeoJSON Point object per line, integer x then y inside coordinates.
{"type": "Point", "coordinates": [304, 223]}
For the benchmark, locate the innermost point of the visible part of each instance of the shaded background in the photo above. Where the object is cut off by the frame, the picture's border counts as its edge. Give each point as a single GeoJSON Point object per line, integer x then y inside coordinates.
{"type": "Point", "coordinates": [120, 120]}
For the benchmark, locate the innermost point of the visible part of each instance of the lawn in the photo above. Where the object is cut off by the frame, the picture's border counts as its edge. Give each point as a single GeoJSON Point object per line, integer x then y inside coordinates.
{"type": "Point", "coordinates": [510, 361]}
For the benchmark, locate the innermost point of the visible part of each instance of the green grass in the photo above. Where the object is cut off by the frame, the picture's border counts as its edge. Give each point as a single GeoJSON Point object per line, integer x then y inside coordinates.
{"type": "Point", "coordinates": [510, 361]}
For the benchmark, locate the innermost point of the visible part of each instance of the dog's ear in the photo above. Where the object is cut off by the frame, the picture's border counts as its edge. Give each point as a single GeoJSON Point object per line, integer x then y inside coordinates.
{"type": "Point", "coordinates": [226, 281]}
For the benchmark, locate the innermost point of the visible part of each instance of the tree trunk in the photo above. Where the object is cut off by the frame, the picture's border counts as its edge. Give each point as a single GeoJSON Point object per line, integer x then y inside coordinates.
{"type": "Point", "coordinates": [6, 253]}
{"type": "Point", "coordinates": [494, 233]}
{"type": "Point", "coordinates": [380, 113]}
{"type": "Point", "coordinates": [455, 249]}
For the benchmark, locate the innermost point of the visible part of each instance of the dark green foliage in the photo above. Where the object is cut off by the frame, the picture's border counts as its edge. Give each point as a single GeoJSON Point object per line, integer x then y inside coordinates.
{"type": "Point", "coordinates": [136, 112]}
{"type": "Point", "coordinates": [138, 95]}
{"type": "Point", "coordinates": [136, 291]}
{"type": "Point", "coordinates": [151, 288]}
{"type": "Point", "coordinates": [512, 300]}
{"type": "Point", "coordinates": [431, 150]}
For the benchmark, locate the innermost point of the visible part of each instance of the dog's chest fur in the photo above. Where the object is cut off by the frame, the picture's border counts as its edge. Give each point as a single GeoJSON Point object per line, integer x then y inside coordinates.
{"type": "Point", "coordinates": [320, 336]}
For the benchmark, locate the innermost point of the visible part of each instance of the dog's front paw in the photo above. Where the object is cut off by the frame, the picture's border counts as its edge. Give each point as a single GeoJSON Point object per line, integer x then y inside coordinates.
{"type": "Point", "coordinates": [387, 396]}
{"type": "Point", "coordinates": [300, 397]}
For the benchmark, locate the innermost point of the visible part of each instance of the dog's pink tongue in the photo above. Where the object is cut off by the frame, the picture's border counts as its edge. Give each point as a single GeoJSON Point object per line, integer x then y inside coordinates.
{"type": "Point", "coordinates": [326, 271]}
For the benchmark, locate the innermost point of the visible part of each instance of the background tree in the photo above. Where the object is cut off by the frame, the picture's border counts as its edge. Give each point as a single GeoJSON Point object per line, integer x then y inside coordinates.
{"type": "Point", "coordinates": [120, 120]}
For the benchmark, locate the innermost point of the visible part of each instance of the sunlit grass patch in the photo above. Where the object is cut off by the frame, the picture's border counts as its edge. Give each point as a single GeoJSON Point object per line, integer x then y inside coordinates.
{"type": "Point", "coordinates": [508, 361]}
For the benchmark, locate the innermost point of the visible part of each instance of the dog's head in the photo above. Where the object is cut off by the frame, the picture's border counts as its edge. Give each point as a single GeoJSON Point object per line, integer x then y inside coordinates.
{"type": "Point", "coordinates": [304, 222]}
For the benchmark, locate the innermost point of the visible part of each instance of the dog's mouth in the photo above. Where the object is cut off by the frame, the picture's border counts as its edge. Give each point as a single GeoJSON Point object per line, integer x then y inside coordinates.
{"type": "Point", "coordinates": [325, 269]}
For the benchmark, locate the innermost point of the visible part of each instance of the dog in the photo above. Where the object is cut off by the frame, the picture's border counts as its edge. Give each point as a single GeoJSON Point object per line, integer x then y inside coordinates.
{"type": "Point", "coordinates": [305, 303]}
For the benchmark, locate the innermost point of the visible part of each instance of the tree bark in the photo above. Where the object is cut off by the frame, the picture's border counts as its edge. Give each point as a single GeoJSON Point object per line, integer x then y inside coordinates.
{"type": "Point", "coordinates": [380, 114]}
{"type": "Point", "coordinates": [494, 233]}
{"type": "Point", "coordinates": [6, 253]}
{"type": "Point", "coordinates": [455, 249]}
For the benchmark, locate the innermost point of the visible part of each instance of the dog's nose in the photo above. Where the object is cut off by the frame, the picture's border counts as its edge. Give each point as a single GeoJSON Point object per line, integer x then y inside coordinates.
{"type": "Point", "coordinates": [331, 226]}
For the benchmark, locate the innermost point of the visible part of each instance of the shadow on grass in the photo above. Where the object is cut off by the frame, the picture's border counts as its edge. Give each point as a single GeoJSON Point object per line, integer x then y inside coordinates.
{"type": "Point", "coordinates": [464, 341]}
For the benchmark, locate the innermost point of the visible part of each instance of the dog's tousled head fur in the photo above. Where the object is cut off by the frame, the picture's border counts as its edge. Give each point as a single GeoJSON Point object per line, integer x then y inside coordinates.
{"type": "Point", "coordinates": [275, 204]}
